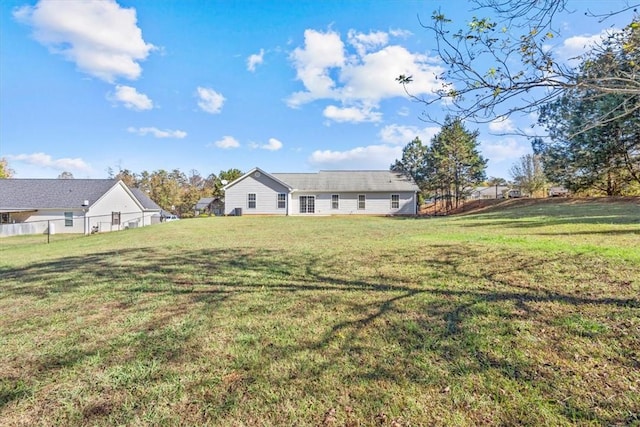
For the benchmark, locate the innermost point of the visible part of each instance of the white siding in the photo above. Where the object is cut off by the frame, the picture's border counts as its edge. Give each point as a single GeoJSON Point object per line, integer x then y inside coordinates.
{"type": "Point", "coordinates": [117, 199]}
{"type": "Point", "coordinates": [376, 204]}
{"type": "Point", "coordinates": [56, 219]}
{"type": "Point", "coordinates": [266, 191]}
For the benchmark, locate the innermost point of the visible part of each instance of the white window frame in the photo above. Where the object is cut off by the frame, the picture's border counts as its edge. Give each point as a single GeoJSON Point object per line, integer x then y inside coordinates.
{"type": "Point", "coordinates": [335, 201]}
{"type": "Point", "coordinates": [362, 202]}
{"type": "Point", "coordinates": [254, 201]}
{"type": "Point", "coordinates": [281, 201]}
{"type": "Point", "coordinates": [68, 219]}
{"type": "Point", "coordinates": [395, 204]}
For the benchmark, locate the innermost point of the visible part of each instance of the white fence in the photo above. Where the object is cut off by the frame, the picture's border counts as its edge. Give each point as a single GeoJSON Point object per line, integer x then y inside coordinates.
{"type": "Point", "coordinates": [80, 225]}
{"type": "Point", "coordinates": [25, 228]}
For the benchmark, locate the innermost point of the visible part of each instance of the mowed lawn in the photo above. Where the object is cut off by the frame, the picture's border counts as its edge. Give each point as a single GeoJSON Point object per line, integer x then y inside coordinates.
{"type": "Point", "coordinates": [524, 316]}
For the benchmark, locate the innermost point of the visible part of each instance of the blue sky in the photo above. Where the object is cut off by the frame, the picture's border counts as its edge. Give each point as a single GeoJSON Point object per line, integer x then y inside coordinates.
{"type": "Point", "coordinates": [288, 86]}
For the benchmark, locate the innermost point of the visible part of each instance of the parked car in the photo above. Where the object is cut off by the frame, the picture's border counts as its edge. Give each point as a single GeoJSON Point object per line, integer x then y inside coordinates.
{"type": "Point", "coordinates": [171, 218]}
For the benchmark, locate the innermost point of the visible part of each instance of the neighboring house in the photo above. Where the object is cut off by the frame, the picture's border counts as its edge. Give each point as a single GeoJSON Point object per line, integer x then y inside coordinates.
{"type": "Point", "coordinates": [322, 193]}
{"type": "Point", "coordinates": [33, 206]}
{"type": "Point", "coordinates": [491, 192]}
{"type": "Point", "coordinates": [210, 206]}
{"type": "Point", "coordinates": [494, 192]}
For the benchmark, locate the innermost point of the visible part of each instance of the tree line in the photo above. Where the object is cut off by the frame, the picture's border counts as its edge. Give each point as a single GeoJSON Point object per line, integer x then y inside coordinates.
{"type": "Point", "coordinates": [175, 191]}
{"type": "Point", "coordinates": [590, 112]}
{"type": "Point", "coordinates": [448, 168]}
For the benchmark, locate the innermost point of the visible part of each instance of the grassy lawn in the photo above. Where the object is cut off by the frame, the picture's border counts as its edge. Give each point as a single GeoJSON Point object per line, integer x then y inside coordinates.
{"type": "Point", "coordinates": [525, 316]}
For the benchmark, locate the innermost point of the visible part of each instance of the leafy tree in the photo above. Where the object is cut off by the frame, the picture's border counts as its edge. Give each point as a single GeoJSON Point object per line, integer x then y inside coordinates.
{"type": "Point", "coordinates": [528, 174]}
{"type": "Point", "coordinates": [495, 181]}
{"type": "Point", "coordinates": [230, 175]}
{"type": "Point", "coordinates": [413, 162]}
{"type": "Point", "coordinates": [65, 175]}
{"type": "Point", "coordinates": [163, 188]}
{"type": "Point", "coordinates": [454, 165]}
{"type": "Point", "coordinates": [604, 158]}
{"type": "Point", "coordinates": [5, 171]}
{"type": "Point", "coordinates": [129, 178]}
{"type": "Point", "coordinates": [196, 180]}
{"type": "Point", "coordinates": [497, 62]}
{"type": "Point", "coordinates": [212, 186]}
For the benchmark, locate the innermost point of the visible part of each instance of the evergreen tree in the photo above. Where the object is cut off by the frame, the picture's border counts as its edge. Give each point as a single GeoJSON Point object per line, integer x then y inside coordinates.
{"type": "Point", "coordinates": [413, 162]}
{"type": "Point", "coordinates": [454, 165]}
{"type": "Point", "coordinates": [604, 159]}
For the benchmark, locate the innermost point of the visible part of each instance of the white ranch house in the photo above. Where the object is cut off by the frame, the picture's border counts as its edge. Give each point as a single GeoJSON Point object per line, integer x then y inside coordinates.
{"type": "Point", "coordinates": [35, 206]}
{"type": "Point", "coordinates": [324, 193]}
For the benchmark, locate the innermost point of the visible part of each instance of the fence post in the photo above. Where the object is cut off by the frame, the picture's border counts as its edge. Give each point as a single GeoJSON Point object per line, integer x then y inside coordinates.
{"type": "Point", "coordinates": [48, 230]}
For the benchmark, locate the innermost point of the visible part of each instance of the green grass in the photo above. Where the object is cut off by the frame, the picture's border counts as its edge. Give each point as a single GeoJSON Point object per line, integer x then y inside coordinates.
{"type": "Point", "coordinates": [526, 316]}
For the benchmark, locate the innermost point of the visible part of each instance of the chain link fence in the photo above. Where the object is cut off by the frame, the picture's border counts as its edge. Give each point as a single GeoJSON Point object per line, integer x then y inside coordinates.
{"type": "Point", "coordinates": [78, 224]}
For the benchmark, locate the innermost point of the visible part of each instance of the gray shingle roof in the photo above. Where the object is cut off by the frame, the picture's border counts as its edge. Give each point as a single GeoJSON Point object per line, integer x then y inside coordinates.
{"type": "Point", "coordinates": [51, 193]}
{"type": "Point", "coordinates": [25, 194]}
{"type": "Point", "coordinates": [205, 202]}
{"type": "Point", "coordinates": [144, 200]}
{"type": "Point", "coordinates": [348, 181]}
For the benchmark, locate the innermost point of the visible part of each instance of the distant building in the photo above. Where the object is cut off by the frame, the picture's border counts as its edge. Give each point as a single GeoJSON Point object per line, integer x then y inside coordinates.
{"type": "Point", "coordinates": [34, 206]}
{"type": "Point", "coordinates": [558, 192]}
{"type": "Point", "coordinates": [379, 192]}
{"type": "Point", "coordinates": [210, 206]}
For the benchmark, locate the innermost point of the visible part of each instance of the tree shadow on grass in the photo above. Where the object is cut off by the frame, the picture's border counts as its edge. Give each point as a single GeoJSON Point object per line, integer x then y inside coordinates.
{"type": "Point", "coordinates": [402, 318]}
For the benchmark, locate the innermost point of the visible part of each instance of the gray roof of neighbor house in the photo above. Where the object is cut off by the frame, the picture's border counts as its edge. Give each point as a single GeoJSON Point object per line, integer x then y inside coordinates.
{"type": "Point", "coordinates": [491, 190]}
{"type": "Point", "coordinates": [205, 202]}
{"type": "Point", "coordinates": [144, 200]}
{"type": "Point", "coordinates": [25, 194]}
{"type": "Point", "coordinates": [348, 181]}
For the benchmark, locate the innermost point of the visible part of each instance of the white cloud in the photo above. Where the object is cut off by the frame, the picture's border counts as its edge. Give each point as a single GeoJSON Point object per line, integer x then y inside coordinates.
{"type": "Point", "coordinates": [573, 47]}
{"type": "Point", "coordinates": [504, 149]}
{"type": "Point", "coordinates": [351, 114]}
{"type": "Point", "coordinates": [131, 98]}
{"type": "Point", "coordinates": [402, 135]}
{"type": "Point", "coordinates": [100, 37]}
{"type": "Point", "coordinates": [321, 53]}
{"type": "Point", "coordinates": [398, 32]}
{"type": "Point", "coordinates": [272, 145]}
{"type": "Point", "coordinates": [227, 142]}
{"type": "Point", "coordinates": [210, 100]}
{"type": "Point", "coordinates": [502, 124]}
{"type": "Point", "coordinates": [373, 77]}
{"type": "Point", "coordinates": [364, 43]}
{"type": "Point", "coordinates": [158, 133]}
{"type": "Point", "coordinates": [404, 112]}
{"type": "Point", "coordinates": [255, 60]}
{"type": "Point", "coordinates": [369, 157]}
{"type": "Point", "coordinates": [358, 77]}
{"type": "Point", "coordinates": [45, 160]}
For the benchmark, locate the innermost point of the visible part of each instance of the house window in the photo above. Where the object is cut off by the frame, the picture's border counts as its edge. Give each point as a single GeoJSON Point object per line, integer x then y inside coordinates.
{"type": "Point", "coordinates": [68, 219]}
{"type": "Point", "coordinates": [5, 218]}
{"type": "Point", "coordinates": [307, 204]}
{"type": "Point", "coordinates": [362, 201]}
{"type": "Point", "coordinates": [395, 201]}
{"type": "Point", "coordinates": [335, 201]}
{"type": "Point", "coordinates": [115, 218]}
{"type": "Point", "coordinates": [282, 201]}
{"type": "Point", "coordinates": [251, 200]}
